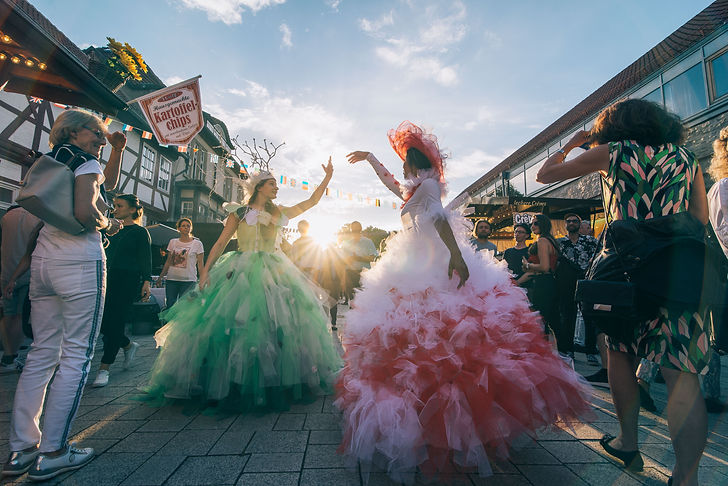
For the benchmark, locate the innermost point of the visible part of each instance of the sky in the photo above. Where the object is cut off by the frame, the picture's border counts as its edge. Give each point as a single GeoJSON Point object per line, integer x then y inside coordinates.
{"type": "Point", "coordinates": [331, 76]}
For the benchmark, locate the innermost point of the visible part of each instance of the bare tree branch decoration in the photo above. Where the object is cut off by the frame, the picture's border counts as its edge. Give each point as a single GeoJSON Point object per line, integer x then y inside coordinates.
{"type": "Point", "coordinates": [259, 156]}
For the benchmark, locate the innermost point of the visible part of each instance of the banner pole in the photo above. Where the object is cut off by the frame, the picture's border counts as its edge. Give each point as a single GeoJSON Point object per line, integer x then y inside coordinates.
{"type": "Point", "coordinates": [135, 100]}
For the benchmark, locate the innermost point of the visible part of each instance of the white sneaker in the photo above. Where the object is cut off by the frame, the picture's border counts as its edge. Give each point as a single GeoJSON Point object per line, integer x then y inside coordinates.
{"type": "Point", "coordinates": [46, 467]}
{"type": "Point", "coordinates": [129, 354]}
{"type": "Point", "coordinates": [102, 379]}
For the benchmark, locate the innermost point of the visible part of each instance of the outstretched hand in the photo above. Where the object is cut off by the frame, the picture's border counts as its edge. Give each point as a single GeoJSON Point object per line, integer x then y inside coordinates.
{"type": "Point", "coordinates": [328, 168]}
{"type": "Point", "coordinates": [458, 265]}
{"type": "Point", "coordinates": [357, 156]}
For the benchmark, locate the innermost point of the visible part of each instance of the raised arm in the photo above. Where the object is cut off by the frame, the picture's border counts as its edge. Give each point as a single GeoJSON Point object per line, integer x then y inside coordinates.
{"type": "Point", "coordinates": [113, 165]}
{"type": "Point", "coordinates": [384, 175]}
{"type": "Point", "coordinates": [293, 211]}
{"type": "Point", "coordinates": [556, 169]}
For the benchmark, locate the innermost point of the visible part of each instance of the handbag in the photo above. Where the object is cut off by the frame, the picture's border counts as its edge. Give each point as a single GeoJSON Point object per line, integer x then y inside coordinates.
{"type": "Point", "coordinates": [47, 192]}
{"type": "Point", "coordinates": [607, 295]}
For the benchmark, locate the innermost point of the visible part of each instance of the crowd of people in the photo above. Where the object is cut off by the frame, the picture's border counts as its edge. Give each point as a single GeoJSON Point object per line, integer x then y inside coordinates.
{"type": "Point", "coordinates": [450, 354]}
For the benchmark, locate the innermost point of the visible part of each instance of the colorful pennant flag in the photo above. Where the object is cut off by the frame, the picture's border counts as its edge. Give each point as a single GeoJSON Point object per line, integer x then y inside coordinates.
{"type": "Point", "coordinates": [304, 185]}
{"type": "Point", "coordinates": [283, 180]}
{"type": "Point", "coordinates": [146, 135]}
{"type": "Point", "coordinates": [127, 128]}
{"type": "Point", "coordinates": [107, 121]}
{"type": "Point", "coordinates": [293, 182]}
{"type": "Point", "coordinates": [182, 149]}
{"type": "Point", "coordinates": [377, 203]}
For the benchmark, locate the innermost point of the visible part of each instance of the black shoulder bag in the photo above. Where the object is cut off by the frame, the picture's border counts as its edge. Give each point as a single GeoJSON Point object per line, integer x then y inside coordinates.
{"type": "Point", "coordinates": [608, 295]}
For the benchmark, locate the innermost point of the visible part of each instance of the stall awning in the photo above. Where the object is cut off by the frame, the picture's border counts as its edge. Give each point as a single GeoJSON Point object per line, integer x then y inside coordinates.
{"type": "Point", "coordinates": [499, 210]}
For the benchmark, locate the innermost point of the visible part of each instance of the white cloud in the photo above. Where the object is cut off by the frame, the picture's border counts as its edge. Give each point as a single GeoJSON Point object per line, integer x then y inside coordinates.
{"type": "Point", "coordinates": [228, 11]}
{"type": "Point", "coordinates": [422, 55]}
{"type": "Point", "coordinates": [334, 4]}
{"type": "Point", "coordinates": [286, 40]}
{"type": "Point", "coordinates": [472, 165]}
{"type": "Point", "coordinates": [172, 80]}
{"type": "Point", "coordinates": [375, 26]}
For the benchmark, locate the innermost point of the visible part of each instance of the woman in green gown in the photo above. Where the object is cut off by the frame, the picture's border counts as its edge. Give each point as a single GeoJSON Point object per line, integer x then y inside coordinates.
{"type": "Point", "coordinates": [255, 335]}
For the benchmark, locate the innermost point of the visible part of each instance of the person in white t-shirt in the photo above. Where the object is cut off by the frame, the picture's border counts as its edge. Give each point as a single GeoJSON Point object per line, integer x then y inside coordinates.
{"type": "Point", "coordinates": [67, 288]}
{"type": "Point", "coordinates": [184, 260]}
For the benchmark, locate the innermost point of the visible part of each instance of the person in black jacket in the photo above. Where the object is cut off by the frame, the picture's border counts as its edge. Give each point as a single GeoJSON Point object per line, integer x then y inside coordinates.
{"type": "Point", "coordinates": [129, 267]}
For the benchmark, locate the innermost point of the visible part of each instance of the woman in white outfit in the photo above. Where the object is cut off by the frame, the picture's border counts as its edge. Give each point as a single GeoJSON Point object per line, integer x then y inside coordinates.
{"type": "Point", "coordinates": [67, 287]}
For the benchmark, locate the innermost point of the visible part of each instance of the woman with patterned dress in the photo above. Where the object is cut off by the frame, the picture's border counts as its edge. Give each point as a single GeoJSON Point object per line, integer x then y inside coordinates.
{"type": "Point", "coordinates": [639, 154]}
{"type": "Point", "coordinates": [256, 335]}
{"type": "Point", "coordinates": [441, 369]}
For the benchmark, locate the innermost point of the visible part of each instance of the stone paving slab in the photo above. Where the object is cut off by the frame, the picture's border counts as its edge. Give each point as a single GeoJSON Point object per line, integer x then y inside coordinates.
{"type": "Point", "coordinates": [140, 445]}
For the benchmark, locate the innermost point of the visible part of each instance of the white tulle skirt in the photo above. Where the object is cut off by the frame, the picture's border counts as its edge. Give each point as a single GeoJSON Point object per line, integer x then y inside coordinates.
{"type": "Point", "coordinates": [437, 375]}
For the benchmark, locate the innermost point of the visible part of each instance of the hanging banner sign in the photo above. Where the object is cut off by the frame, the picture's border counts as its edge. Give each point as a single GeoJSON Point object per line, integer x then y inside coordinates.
{"type": "Point", "coordinates": [175, 112]}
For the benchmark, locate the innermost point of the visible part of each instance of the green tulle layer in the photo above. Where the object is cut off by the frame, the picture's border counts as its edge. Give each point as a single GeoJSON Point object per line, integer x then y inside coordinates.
{"type": "Point", "coordinates": [257, 337]}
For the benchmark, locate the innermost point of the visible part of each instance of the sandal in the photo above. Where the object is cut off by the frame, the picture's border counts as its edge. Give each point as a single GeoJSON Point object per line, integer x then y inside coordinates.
{"type": "Point", "coordinates": [632, 459]}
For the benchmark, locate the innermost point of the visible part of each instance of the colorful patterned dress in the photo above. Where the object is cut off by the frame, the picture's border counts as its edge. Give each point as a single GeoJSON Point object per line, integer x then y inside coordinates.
{"type": "Point", "coordinates": [649, 182]}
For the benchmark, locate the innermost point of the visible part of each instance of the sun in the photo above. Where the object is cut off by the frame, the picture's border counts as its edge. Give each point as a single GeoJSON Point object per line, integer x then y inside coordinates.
{"type": "Point", "coordinates": [324, 237]}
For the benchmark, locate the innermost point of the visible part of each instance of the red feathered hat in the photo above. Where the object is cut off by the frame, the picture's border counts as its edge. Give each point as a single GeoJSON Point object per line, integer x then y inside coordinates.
{"type": "Point", "coordinates": [408, 135]}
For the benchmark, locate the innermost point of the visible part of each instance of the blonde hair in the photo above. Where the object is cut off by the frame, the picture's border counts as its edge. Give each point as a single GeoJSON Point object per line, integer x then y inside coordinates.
{"type": "Point", "coordinates": [72, 121]}
{"type": "Point", "coordinates": [719, 163]}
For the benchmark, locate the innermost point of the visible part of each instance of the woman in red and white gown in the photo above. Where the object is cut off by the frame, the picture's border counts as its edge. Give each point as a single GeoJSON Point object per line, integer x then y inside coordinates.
{"type": "Point", "coordinates": [440, 369]}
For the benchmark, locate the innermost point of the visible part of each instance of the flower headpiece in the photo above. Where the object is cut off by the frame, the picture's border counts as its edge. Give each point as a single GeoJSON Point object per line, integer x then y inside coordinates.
{"type": "Point", "coordinates": [408, 135]}
{"type": "Point", "coordinates": [252, 181]}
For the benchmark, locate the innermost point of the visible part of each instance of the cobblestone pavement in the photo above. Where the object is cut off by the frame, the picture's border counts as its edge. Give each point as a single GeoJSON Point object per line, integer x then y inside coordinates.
{"type": "Point", "coordinates": [140, 445]}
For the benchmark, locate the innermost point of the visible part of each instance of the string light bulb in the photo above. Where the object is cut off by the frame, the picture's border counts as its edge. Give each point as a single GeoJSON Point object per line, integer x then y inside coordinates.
{"type": "Point", "coordinates": [6, 39]}
{"type": "Point", "coordinates": [15, 60]}
{"type": "Point", "coordinates": [42, 66]}
{"type": "Point", "coordinates": [29, 63]}
{"type": "Point", "coordinates": [3, 56]}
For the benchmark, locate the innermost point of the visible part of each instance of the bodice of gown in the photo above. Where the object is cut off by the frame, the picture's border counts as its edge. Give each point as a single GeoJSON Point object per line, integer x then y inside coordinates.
{"type": "Point", "coordinates": [423, 208]}
{"type": "Point", "coordinates": [257, 231]}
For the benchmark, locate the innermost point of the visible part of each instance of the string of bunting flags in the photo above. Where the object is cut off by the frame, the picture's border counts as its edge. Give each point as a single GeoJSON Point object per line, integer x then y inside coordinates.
{"type": "Point", "coordinates": [292, 182]}
{"type": "Point", "coordinates": [284, 180]}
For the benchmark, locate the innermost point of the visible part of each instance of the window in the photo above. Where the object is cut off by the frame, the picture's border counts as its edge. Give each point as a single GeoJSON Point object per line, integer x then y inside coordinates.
{"type": "Point", "coordinates": [149, 156]}
{"type": "Point", "coordinates": [6, 195]}
{"type": "Point", "coordinates": [685, 94]}
{"type": "Point", "coordinates": [165, 168]}
{"type": "Point", "coordinates": [719, 71]}
{"type": "Point", "coordinates": [654, 96]}
{"type": "Point", "coordinates": [186, 209]}
{"type": "Point", "coordinates": [517, 184]}
{"type": "Point", "coordinates": [227, 189]}
{"type": "Point", "coordinates": [531, 184]}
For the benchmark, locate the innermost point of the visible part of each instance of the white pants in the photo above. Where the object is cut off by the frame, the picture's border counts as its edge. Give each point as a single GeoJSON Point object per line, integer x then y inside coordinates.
{"type": "Point", "coordinates": [67, 304]}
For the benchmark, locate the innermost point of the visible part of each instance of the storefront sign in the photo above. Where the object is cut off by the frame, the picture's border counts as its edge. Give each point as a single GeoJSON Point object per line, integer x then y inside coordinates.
{"type": "Point", "coordinates": [523, 218]}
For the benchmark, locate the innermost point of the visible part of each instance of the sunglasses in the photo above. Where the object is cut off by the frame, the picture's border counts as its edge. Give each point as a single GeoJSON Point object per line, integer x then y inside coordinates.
{"type": "Point", "coordinates": [99, 134]}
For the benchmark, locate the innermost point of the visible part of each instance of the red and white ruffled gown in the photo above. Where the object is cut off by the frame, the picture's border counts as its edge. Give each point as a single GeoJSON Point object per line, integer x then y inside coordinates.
{"type": "Point", "coordinates": [435, 374]}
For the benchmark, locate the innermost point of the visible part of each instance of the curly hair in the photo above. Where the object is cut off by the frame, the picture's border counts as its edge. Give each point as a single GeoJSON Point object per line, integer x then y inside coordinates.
{"type": "Point", "coordinates": [719, 162]}
{"type": "Point", "coordinates": [645, 122]}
